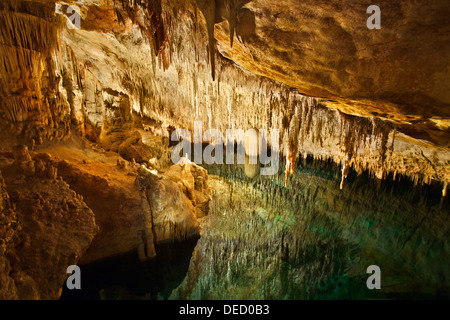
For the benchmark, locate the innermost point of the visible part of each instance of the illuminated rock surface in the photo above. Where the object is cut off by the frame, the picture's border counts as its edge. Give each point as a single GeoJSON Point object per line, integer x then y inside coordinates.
{"type": "Point", "coordinates": [95, 107]}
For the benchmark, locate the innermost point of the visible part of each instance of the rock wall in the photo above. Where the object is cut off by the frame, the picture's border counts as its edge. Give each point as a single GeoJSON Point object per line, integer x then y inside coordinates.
{"type": "Point", "coordinates": [46, 227]}
{"type": "Point", "coordinates": [90, 207]}
{"type": "Point", "coordinates": [32, 107]}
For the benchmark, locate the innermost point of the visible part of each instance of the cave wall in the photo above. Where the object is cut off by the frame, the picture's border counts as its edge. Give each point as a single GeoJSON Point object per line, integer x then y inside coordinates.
{"type": "Point", "coordinates": [9, 227]}
{"type": "Point", "coordinates": [45, 227]}
{"type": "Point", "coordinates": [75, 211]}
{"type": "Point", "coordinates": [31, 105]}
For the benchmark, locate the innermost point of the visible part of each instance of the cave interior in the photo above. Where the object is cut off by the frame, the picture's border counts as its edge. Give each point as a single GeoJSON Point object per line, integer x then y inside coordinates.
{"type": "Point", "coordinates": [224, 149]}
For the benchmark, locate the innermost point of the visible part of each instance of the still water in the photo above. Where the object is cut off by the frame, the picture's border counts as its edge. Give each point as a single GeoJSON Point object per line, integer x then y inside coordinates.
{"type": "Point", "coordinates": [309, 240]}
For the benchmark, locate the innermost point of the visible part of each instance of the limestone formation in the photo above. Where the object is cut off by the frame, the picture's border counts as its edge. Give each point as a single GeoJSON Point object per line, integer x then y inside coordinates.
{"type": "Point", "coordinates": [92, 91]}
{"type": "Point", "coordinates": [155, 58]}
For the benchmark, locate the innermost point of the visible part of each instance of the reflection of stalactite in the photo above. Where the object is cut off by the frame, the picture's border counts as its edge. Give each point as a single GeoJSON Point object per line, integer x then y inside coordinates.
{"type": "Point", "coordinates": [290, 165]}
{"type": "Point", "coordinates": [292, 149]}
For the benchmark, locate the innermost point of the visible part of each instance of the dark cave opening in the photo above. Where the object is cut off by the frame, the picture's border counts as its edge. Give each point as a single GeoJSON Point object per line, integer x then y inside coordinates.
{"type": "Point", "coordinates": [125, 277]}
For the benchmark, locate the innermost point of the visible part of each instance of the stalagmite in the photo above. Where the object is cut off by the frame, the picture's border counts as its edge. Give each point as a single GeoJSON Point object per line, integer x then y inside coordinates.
{"type": "Point", "coordinates": [345, 170]}
{"type": "Point", "coordinates": [289, 167]}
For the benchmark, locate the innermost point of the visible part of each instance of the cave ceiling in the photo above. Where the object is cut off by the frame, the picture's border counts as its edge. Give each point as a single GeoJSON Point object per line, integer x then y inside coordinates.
{"type": "Point", "coordinates": [179, 61]}
{"type": "Point", "coordinates": [323, 49]}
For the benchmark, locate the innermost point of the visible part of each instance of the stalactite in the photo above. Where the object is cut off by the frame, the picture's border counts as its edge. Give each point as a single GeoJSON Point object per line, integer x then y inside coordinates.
{"type": "Point", "coordinates": [28, 40]}
{"type": "Point", "coordinates": [175, 36]}
{"type": "Point", "coordinates": [215, 11]}
{"type": "Point", "coordinates": [302, 110]}
{"type": "Point", "coordinates": [208, 8]}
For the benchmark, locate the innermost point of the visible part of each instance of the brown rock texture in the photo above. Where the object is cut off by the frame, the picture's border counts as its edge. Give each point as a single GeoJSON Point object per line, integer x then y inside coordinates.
{"type": "Point", "coordinates": [325, 50]}
{"type": "Point", "coordinates": [134, 207]}
{"type": "Point", "coordinates": [177, 198]}
{"type": "Point", "coordinates": [48, 228]}
{"type": "Point", "coordinates": [194, 180]}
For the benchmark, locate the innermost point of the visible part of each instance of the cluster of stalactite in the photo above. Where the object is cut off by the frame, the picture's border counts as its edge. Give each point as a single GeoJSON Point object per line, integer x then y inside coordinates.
{"type": "Point", "coordinates": [29, 100]}
{"type": "Point", "coordinates": [48, 85]}
{"type": "Point", "coordinates": [357, 137]}
{"type": "Point", "coordinates": [353, 142]}
{"type": "Point", "coordinates": [147, 15]}
{"type": "Point", "coordinates": [363, 134]}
